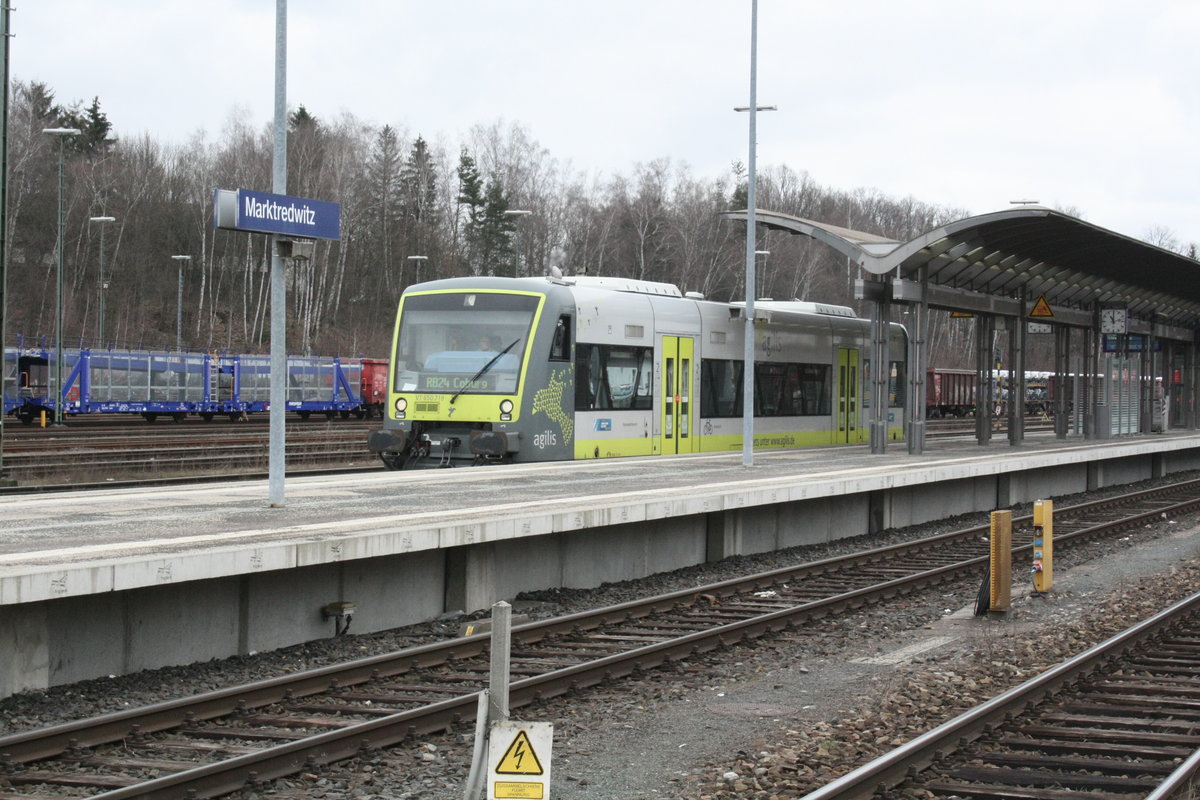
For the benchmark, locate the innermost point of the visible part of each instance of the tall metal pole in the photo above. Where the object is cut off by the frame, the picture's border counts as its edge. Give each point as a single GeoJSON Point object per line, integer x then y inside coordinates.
{"type": "Point", "coordinates": [4, 9]}
{"type": "Point", "coordinates": [180, 260]}
{"type": "Point", "coordinates": [62, 134]}
{"type": "Point", "coordinates": [101, 281]}
{"type": "Point", "coordinates": [751, 246]}
{"type": "Point", "coordinates": [275, 461]}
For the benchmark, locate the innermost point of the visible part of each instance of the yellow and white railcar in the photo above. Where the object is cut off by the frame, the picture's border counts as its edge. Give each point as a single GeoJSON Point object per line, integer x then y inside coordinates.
{"type": "Point", "coordinates": [542, 369]}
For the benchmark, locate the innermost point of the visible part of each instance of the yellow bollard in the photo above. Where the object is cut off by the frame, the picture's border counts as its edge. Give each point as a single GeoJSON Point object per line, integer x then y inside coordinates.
{"type": "Point", "coordinates": [1000, 587]}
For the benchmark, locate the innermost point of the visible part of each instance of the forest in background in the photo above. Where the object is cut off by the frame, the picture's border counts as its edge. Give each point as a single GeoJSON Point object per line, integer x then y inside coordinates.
{"type": "Point", "coordinates": [401, 196]}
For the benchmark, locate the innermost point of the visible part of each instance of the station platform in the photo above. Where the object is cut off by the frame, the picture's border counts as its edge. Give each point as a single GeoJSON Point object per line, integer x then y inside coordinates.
{"type": "Point", "coordinates": [97, 582]}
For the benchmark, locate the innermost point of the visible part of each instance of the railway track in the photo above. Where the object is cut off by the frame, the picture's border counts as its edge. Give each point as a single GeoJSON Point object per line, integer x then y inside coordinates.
{"type": "Point", "coordinates": [80, 454]}
{"type": "Point", "coordinates": [1118, 722]}
{"type": "Point", "coordinates": [952, 426]}
{"type": "Point", "coordinates": [219, 742]}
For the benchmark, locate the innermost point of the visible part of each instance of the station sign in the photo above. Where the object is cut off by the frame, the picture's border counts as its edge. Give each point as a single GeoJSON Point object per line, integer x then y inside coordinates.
{"type": "Point", "coordinates": [1039, 327]}
{"type": "Point", "coordinates": [262, 212]}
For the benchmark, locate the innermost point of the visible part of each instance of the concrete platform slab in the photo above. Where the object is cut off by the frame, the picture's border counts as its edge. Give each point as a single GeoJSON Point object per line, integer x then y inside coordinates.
{"type": "Point", "coordinates": [106, 582]}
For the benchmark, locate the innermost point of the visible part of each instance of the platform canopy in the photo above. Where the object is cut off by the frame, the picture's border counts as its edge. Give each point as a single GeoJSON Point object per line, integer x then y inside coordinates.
{"type": "Point", "coordinates": [1004, 262]}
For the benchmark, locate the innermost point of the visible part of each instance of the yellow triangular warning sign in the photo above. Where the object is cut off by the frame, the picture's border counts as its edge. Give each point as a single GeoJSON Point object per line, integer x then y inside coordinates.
{"type": "Point", "coordinates": [1041, 308]}
{"type": "Point", "coordinates": [519, 758]}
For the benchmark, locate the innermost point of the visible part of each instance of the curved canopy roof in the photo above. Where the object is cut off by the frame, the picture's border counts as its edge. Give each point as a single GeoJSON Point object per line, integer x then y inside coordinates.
{"type": "Point", "coordinates": [1029, 251]}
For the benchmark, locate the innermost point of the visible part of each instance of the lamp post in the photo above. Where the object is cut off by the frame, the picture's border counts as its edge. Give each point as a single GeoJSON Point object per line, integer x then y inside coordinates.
{"type": "Point", "coordinates": [62, 134]}
{"type": "Point", "coordinates": [517, 212]}
{"type": "Point", "coordinates": [764, 254]}
{"type": "Point", "coordinates": [417, 260]}
{"type": "Point", "coordinates": [748, 351]}
{"type": "Point", "coordinates": [180, 260]}
{"type": "Point", "coordinates": [101, 281]}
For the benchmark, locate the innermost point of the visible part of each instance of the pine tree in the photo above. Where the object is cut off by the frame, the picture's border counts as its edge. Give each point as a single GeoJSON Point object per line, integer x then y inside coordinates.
{"type": "Point", "coordinates": [470, 195]}
{"type": "Point", "coordinates": [497, 232]}
{"type": "Point", "coordinates": [383, 176]}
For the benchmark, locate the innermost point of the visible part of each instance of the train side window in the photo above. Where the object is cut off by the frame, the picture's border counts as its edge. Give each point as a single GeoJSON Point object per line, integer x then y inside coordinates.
{"type": "Point", "coordinates": [721, 388]}
{"type": "Point", "coordinates": [585, 390]}
{"type": "Point", "coordinates": [560, 348]}
{"type": "Point", "coordinates": [643, 397]}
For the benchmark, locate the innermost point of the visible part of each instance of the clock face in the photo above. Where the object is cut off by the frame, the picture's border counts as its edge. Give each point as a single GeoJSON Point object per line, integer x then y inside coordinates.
{"type": "Point", "coordinates": [1112, 320]}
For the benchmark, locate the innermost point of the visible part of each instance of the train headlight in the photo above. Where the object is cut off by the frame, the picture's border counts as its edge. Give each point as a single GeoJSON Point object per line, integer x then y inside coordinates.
{"type": "Point", "coordinates": [401, 407]}
{"type": "Point", "coordinates": [506, 407]}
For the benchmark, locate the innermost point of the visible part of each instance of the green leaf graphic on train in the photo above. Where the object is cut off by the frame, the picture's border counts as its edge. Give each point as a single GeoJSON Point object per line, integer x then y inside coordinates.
{"type": "Point", "coordinates": [550, 401]}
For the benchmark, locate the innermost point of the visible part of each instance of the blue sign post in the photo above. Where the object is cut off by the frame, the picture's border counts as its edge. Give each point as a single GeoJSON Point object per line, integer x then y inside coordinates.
{"type": "Point", "coordinates": [263, 212]}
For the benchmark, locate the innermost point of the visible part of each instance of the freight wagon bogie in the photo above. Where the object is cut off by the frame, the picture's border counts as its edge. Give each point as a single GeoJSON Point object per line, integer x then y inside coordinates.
{"type": "Point", "coordinates": [493, 370]}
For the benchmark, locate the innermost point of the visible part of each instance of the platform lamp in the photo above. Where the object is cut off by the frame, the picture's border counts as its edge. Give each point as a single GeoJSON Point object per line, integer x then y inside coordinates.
{"type": "Point", "coordinates": [417, 261]}
{"type": "Point", "coordinates": [62, 134]}
{"type": "Point", "coordinates": [181, 261]}
{"type": "Point", "coordinates": [101, 281]}
{"type": "Point", "coordinates": [757, 275]}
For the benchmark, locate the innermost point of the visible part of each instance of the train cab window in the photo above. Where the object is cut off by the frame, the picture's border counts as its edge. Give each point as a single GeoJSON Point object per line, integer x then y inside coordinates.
{"type": "Point", "coordinates": [560, 348]}
{"type": "Point", "coordinates": [451, 341]}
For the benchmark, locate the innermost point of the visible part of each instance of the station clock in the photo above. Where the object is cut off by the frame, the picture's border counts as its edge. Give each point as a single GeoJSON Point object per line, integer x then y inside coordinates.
{"type": "Point", "coordinates": [1114, 320]}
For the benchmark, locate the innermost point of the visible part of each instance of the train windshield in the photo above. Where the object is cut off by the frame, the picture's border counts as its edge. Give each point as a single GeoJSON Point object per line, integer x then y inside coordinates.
{"type": "Point", "coordinates": [463, 342]}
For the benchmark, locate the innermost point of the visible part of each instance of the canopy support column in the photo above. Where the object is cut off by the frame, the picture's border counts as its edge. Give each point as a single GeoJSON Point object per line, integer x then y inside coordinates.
{"type": "Point", "coordinates": [880, 368]}
{"type": "Point", "coordinates": [1089, 380]}
{"type": "Point", "coordinates": [1189, 386]}
{"type": "Point", "coordinates": [1147, 387]}
{"type": "Point", "coordinates": [1016, 381]}
{"type": "Point", "coordinates": [1061, 383]}
{"type": "Point", "coordinates": [984, 330]}
{"type": "Point", "coordinates": [918, 359]}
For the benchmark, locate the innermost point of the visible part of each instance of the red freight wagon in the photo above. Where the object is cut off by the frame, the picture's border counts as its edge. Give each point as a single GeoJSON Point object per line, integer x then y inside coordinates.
{"type": "Point", "coordinates": [949, 392]}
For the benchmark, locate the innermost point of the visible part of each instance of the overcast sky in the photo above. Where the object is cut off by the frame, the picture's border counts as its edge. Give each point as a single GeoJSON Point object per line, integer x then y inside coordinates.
{"type": "Point", "coordinates": [1091, 104]}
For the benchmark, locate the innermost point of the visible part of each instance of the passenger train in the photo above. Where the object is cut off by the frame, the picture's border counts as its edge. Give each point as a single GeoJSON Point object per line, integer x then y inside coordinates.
{"type": "Point", "coordinates": [495, 370]}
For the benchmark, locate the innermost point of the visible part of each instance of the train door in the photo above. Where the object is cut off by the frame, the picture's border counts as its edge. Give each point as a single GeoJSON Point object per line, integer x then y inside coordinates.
{"type": "Point", "coordinates": [678, 416]}
{"type": "Point", "coordinates": [846, 429]}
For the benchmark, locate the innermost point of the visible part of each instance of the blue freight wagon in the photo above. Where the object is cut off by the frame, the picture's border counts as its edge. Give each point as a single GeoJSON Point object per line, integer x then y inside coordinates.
{"type": "Point", "coordinates": [155, 384]}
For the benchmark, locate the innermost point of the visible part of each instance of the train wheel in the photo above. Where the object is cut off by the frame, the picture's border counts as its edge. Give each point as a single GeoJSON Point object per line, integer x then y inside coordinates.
{"type": "Point", "coordinates": [344, 414]}
{"type": "Point", "coordinates": [359, 413]}
{"type": "Point", "coordinates": [330, 414]}
{"type": "Point", "coordinates": [207, 416]}
{"type": "Point", "coordinates": [304, 414]}
{"type": "Point", "coordinates": [179, 416]}
{"type": "Point", "coordinates": [393, 461]}
{"type": "Point", "coordinates": [26, 418]}
{"type": "Point", "coordinates": [149, 417]}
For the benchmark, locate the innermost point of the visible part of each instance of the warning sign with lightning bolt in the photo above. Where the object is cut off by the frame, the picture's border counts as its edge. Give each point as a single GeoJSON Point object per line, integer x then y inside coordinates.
{"type": "Point", "coordinates": [519, 755]}
{"type": "Point", "coordinates": [519, 758]}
